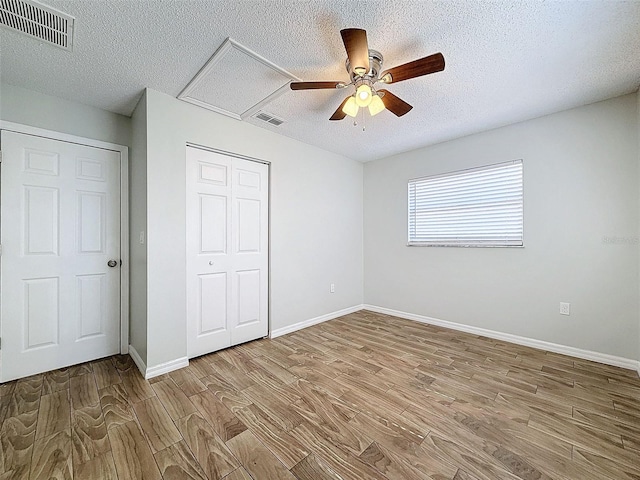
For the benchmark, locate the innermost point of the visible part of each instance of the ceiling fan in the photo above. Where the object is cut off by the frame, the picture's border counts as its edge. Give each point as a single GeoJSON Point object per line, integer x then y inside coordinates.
{"type": "Point", "coordinates": [364, 68]}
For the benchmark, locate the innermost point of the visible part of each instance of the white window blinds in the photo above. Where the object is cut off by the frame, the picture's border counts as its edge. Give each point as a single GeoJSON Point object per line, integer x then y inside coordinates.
{"type": "Point", "coordinates": [481, 207]}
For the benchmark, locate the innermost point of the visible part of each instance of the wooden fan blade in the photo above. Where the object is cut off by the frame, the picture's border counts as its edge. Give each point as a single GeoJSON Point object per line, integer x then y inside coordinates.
{"type": "Point", "coordinates": [395, 105]}
{"type": "Point", "coordinates": [417, 68]}
{"type": "Point", "coordinates": [339, 114]}
{"type": "Point", "coordinates": [355, 43]}
{"type": "Point", "coordinates": [313, 85]}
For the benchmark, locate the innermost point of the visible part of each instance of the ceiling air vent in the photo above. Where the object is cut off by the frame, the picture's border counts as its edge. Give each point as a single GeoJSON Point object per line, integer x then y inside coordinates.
{"type": "Point", "coordinates": [267, 117]}
{"type": "Point", "coordinates": [38, 21]}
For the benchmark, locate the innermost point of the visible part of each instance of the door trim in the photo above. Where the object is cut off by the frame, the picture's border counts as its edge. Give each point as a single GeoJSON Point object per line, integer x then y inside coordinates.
{"type": "Point", "coordinates": [124, 209]}
{"type": "Point", "coordinates": [227, 153]}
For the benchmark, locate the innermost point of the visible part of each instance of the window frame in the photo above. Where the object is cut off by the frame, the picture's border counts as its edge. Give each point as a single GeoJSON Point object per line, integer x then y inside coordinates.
{"type": "Point", "coordinates": [470, 244]}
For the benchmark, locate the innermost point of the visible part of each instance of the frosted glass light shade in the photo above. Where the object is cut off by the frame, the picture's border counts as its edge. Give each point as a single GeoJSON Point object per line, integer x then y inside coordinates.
{"type": "Point", "coordinates": [363, 95]}
{"type": "Point", "coordinates": [376, 105]}
{"type": "Point", "coordinates": [351, 107]}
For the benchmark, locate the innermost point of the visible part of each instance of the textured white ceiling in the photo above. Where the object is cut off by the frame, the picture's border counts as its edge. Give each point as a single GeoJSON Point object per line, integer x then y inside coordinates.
{"type": "Point", "coordinates": [506, 61]}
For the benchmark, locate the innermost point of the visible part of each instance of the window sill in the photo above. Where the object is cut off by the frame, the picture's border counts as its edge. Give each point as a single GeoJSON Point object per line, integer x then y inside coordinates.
{"type": "Point", "coordinates": [461, 245]}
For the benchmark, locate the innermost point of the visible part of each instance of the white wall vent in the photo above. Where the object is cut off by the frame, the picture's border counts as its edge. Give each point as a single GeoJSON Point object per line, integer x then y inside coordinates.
{"type": "Point", "coordinates": [267, 117]}
{"type": "Point", "coordinates": [38, 21]}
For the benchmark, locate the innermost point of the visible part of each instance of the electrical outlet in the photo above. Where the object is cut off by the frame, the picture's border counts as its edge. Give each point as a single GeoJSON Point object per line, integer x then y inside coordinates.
{"type": "Point", "coordinates": [565, 308]}
{"type": "Point", "coordinates": [332, 288]}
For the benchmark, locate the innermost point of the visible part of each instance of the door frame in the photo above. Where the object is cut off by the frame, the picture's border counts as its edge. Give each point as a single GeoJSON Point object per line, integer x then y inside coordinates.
{"type": "Point", "coordinates": [124, 209]}
{"type": "Point", "coordinates": [268, 164]}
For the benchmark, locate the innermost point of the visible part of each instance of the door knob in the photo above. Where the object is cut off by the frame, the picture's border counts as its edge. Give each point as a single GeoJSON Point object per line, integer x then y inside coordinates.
{"type": "Point", "coordinates": [112, 263]}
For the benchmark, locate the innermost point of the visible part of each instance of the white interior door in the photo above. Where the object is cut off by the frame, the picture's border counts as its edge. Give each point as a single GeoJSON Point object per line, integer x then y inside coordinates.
{"type": "Point", "coordinates": [227, 250]}
{"type": "Point", "coordinates": [60, 226]}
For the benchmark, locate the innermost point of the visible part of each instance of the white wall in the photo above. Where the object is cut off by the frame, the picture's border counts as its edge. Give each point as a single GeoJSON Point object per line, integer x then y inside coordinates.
{"type": "Point", "coordinates": [44, 111]}
{"type": "Point", "coordinates": [316, 220]}
{"type": "Point", "coordinates": [137, 224]}
{"type": "Point", "coordinates": [580, 184]}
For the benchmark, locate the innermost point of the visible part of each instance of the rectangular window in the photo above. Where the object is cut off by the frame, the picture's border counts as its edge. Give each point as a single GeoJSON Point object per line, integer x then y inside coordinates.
{"type": "Point", "coordinates": [480, 207]}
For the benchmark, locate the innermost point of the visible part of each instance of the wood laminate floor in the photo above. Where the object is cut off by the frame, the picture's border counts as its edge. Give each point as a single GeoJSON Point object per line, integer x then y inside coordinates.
{"type": "Point", "coordinates": [365, 396]}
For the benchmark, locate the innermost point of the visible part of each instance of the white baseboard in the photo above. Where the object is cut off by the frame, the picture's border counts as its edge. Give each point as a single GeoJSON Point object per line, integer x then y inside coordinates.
{"type": "Point", "coordinates": [150, 372]}
{"type": "Point", "coordinates": [167, 367]}
{"type": "Point", "coordinates": [135, 356]}
{"type": "Point", "coordinates": [314, 321]}
{"type": "Point", "coordinates": [507, 337]}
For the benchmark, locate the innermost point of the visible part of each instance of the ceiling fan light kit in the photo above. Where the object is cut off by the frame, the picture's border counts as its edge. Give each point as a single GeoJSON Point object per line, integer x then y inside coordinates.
{"type": "Point", "coordinates": [351, 107]}
{"type": "Point", "coordinates": [364, 67]}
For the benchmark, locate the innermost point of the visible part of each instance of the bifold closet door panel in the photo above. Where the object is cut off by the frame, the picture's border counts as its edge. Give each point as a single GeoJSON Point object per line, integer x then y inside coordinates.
{"type": "Point", "coordinates": [227, 250]}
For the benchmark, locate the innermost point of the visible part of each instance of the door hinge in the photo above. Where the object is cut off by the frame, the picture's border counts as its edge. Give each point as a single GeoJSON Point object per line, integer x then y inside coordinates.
{"type": "Point", "coordinates": [0, 249]}
{"type": "Point", "coordinates": [0, 156]}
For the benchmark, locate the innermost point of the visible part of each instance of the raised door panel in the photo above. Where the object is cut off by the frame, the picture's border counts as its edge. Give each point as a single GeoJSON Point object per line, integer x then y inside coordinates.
{"type": "Point", "coordinates": [249, 296]}
{"type": "Point", "coordinates": [249, 226]}
{"type": "Point", "coordinates": [249, 179]}
{"type": "Point", "coordinates": [90, 294]}
{"type": "Point", "coordinates": [41, 320]}
{"type": "Point", "coordinates": [213, 224]}
{"type": "Point", "coordinates": [212, 303]}
{"type": "Point", "coordinates": [212, 173]}
{"type": "Point", "coordinates": [41, 220]}
{"type": "Point", "coordinates": [91, 218]}
{"type": "Point", "coordinates": [91, 169]}
{"type": "Point", "coordinates": [41, 162]}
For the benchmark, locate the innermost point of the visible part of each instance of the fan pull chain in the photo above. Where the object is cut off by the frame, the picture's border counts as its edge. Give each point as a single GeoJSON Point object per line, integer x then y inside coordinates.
{"type": "Point", "coordinates": [364, 123]}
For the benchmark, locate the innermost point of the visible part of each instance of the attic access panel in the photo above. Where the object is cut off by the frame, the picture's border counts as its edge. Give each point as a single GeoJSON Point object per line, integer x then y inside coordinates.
{"type": "Point", "coordinates": [236, 82]}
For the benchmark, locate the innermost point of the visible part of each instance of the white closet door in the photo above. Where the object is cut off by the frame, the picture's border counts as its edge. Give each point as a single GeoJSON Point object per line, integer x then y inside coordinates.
{"type": "Point", "coordinates": [60, 228]}
{"type": "Point", "coordinates": [227, 250]}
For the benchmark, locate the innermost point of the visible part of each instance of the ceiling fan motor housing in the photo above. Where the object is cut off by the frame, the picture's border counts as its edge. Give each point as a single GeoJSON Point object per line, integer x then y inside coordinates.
{"type": "Point", "coordinates": [375, 66]}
